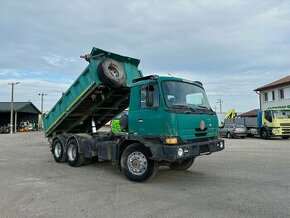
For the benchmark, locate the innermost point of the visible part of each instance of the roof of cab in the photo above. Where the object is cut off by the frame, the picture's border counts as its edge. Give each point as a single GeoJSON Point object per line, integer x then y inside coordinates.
{"type": "Point", "coordinates": [144, 80]}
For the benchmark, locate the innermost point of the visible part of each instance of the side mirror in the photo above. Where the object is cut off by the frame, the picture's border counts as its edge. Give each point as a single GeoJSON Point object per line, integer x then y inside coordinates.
{"type": "Point", "coordinates": [149, 96]}
{"type": "Point", "coordinates": [149, 99]}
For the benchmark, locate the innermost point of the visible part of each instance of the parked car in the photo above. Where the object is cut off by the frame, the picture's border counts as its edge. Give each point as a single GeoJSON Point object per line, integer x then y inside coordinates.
{"type": "Point", "coordinates": [4, 129]}
{"type": "Point", "coordinates": [233, 131]}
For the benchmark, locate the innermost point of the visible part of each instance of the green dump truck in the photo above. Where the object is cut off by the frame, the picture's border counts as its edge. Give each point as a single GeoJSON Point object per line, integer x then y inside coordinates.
{"type": "Point", "coordinates": [169, 122]}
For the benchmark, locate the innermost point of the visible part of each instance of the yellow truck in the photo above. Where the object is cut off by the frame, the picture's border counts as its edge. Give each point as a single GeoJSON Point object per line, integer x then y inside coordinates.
{"type": "Point", "coordinates": [274, 122]}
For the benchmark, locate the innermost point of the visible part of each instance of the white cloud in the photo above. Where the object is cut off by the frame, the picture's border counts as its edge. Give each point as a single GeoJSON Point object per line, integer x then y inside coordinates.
{"type": "Point", "coordinates": [58, 61]}
{"type": "Point", "coordinates": [231, 46]}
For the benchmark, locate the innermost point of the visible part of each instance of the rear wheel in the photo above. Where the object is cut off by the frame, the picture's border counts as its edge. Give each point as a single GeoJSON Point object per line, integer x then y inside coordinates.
{"type": "Point", "coordinates": [59, 153]}
{"type": "Point", "coordinates": [75, 159]}
{"type": "Point", "coordinates": [184, 165]}
{"type": "Point", "coordinates": [135, 163]}
{"type": "Point", "coordinates": [285, 137]}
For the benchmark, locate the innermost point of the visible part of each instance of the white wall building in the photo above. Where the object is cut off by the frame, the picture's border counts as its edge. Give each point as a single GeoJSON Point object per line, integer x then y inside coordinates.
{"type": "Point", "coordinates": [275, 94]}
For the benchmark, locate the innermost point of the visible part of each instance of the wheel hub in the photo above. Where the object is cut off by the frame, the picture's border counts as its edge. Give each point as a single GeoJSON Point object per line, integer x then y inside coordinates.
{"type": "Point", "coordinates": [137, 163]}
{"type": "Point", "coordinates": [113, 71]}
{"type": "Point", "coordinates": [57, 150]}
{"type": "Point", "coordinates": [71, 153]}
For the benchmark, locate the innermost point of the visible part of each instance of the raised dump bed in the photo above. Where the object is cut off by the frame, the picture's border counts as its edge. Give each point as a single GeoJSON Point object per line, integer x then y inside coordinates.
{"type": "Point", "coordinates": [100, 93]}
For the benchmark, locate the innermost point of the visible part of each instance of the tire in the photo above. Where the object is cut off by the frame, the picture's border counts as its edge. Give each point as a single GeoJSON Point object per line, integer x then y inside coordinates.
{"type": "Point", "coordinates": [112, 73]}
{"type": "Point", "coordinates": [229, 135]}
{"type": "Point", "coordinates": [264, 134]}
{"type": "Point", "coordinates": [243, 137]}
{"type": "Point", "coordinates": [74, 158]}
{"type": "Point", "coordinates": [285, 137]}
{"type": "Point", "coordinates": [137, 154]}
{"type": "Point", "coordinates": [58, 151]}
{"type": "Point", "coordinates": [184, 165]}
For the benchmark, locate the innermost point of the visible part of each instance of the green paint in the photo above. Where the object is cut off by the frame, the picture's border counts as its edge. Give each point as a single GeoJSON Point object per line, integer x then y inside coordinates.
{"type": "Point", "coordinates": [160, 121]}
{"type": "Point", "coordinates": [83, 83]}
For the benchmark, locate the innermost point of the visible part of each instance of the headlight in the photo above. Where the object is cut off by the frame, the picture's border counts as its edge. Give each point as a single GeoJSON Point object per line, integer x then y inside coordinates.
{"type": "Point", "coordinates": [180, 152]}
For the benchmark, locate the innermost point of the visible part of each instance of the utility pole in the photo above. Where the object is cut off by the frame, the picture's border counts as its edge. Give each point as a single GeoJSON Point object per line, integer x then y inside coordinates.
{"type": "Point", "coordinates": [220, 104]}
{"type": "Point", "coordinates": [11, 106]}
{"type": "Point", "coordinates": [41, 94]}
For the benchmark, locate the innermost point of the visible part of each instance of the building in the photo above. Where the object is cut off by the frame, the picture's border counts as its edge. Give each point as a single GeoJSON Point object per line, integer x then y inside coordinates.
{"type": "Point", "coordinates": [275, 94]}
{"type": "Point", "coordinates": [23, 111]}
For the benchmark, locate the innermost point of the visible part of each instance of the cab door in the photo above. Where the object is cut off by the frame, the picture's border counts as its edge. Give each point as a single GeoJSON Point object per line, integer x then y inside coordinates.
{"type": "Point", "coordinates": [145, 116]}
{"type": "Point", "coordinates": [267, 118]}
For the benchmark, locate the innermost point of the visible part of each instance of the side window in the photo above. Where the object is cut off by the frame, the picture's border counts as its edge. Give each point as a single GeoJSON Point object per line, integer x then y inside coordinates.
{"type": "Point", "coordinates": [273, 95]}
{"type": "Point", "coordinates": [266, 96]}
{"type": "Point", "coordinates": [268, 116]}
{"type": "Point", "coordinates": [149, 93]}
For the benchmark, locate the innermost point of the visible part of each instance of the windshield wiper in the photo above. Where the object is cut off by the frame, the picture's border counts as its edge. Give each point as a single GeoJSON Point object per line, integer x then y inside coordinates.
{"type": "Point", "coordinates": [183, 107]}
{"type": "Point", "coordinates": [207, 108]}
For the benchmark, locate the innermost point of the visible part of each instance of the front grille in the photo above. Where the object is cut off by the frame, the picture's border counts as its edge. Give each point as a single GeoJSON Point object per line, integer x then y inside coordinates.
{"type": "Point", "coordinates": [199, 140]}
{"type": "Point", "coordinates": [198, 134]}
{"type": "Point", "coordinates": [285, 130]}
{"type": "Point", "coordinates": [199, 130]}
{"type": "Point", "coordinates": [285, 124]}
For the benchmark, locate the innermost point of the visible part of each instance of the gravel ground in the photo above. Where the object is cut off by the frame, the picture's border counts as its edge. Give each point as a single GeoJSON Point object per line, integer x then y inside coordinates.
{"type": "Point", "coordinates": [250, 178]}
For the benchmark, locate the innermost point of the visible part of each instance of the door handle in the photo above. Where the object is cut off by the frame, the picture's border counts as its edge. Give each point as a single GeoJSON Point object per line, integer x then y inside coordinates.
{"type": "Point", "coordinates": [140, 120]}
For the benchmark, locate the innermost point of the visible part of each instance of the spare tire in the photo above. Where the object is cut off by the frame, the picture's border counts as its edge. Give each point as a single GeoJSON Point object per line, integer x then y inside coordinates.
{"type": "Point", "coordinates": [112, 73]}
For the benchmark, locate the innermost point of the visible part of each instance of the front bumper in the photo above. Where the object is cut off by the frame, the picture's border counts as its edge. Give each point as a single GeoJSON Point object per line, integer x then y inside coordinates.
{"type": "Point", "coordinates": [170, 152]}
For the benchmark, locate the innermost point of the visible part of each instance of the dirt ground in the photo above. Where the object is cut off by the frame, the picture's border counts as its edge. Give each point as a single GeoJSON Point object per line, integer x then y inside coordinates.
{"type": "Point", "coordinates": [250, 178]}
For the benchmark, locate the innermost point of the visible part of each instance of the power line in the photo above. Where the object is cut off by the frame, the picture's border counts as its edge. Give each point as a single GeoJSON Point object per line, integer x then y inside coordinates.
{"type": "Point", "coordinates": [41, 119]}
{"type": "Point", "coordinates": [220, 104]}
{"type": "Point", "coordinates": [11, 106]}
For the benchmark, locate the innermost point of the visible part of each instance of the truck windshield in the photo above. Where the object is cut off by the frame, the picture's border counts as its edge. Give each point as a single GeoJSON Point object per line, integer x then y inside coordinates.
{"type": "Point", "coordinates": [280, 114]}
{"type": "Point", "coordinates": [184, 94]}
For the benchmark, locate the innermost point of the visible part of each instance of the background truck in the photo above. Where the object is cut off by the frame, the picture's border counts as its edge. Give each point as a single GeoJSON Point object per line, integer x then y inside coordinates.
{"type": "Point", "coordinates": [169, 122]}
{"type": "Point", "coordinates": [268, 123]}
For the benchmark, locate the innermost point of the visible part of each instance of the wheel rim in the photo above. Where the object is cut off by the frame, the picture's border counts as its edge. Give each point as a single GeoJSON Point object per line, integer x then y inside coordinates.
{"type": "Point", "coordinates": [228, 135]}
{"type": "Point", "coordinates": [114, 71]}
{"type": "Point", "coordinates": [71, 152]}
{"type": "Point", "coordinates": [57, 150]}
{"type": "Point", "coordinates": [137, 163]}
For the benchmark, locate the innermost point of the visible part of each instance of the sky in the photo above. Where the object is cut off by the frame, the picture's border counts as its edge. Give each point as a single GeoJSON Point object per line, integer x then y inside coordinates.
{"type": "Point", "coordinates": [232, 47]}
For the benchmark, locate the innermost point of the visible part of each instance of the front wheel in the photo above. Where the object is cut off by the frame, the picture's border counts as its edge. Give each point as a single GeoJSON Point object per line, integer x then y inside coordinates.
{"type": "Point", "coordinates": [135, 163]}
{"type": "Point", "coordinates": [184, 165]}
{"type": "Point", "coordinates": [264, 134]}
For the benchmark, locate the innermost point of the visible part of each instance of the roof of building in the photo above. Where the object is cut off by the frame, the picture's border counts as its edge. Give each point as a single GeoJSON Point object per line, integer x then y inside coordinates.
{"type": "Point", "coordinates": [251, 113]}
{"type": "Point", "coordinates": [277, 83]}
{"type": "Point", "coordinates": [24, 107]}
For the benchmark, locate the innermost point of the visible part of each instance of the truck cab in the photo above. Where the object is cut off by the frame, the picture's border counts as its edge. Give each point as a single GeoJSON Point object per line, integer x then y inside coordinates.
{"type": "Point", "coordinates": [274, 122]}
{"type": "Point", "coordinates": [171, 108]}
{"type": "Point", "coordinates": [170, 118]}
